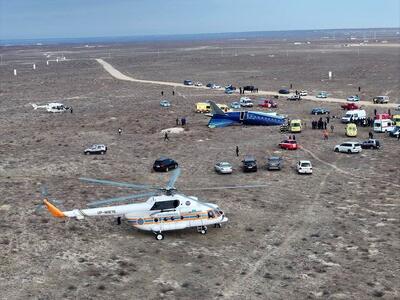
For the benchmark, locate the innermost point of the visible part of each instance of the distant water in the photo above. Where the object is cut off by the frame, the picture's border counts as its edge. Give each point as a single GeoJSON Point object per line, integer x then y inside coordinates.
{"type": "Point", "coordinates": [370, 33]}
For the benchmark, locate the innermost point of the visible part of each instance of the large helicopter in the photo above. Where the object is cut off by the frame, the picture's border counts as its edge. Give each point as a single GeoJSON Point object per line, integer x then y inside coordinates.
{"type": "Point", "coordinates": [164, 210]}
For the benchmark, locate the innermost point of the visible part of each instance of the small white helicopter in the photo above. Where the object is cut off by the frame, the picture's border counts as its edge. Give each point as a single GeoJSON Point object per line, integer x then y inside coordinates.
{"type": "Point", "coordinates": [52, 107]}
{"type": "Point", "coordinates": [165, 212]}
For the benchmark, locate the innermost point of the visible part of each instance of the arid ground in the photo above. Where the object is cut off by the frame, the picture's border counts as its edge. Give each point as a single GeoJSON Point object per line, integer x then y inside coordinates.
{"type": "Point", "coordinates": [332, 235]}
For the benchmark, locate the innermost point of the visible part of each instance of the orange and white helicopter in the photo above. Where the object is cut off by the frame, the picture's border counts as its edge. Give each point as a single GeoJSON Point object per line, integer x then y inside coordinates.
{"type": "Point", "coordinates": [164, 210]}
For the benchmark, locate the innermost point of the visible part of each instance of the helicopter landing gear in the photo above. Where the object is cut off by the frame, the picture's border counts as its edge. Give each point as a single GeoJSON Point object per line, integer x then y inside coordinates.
{"type": "Point", "coordinates": [159, 236]}
{"type": "Point", "coordinates": [218, 225]}
{"type": "Point", "coordinates": [202, 229]}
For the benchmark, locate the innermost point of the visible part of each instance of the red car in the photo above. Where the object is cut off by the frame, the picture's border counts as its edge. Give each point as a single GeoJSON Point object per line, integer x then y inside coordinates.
{"type": "Point", "coordinates": [350, 106]}
{"type": "Point", "coordinates": [268, 103]}
{"type": "Point", "coordinates": [288, 144]}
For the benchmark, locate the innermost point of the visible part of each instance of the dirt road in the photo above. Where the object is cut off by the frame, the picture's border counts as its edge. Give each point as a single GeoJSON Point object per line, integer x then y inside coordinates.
{"type": "Point", "coordinates": [118, 75]}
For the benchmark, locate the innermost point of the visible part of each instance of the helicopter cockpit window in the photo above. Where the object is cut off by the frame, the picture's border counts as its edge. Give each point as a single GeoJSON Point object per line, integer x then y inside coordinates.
{"type": "Point", "coordinates": [163, 205]}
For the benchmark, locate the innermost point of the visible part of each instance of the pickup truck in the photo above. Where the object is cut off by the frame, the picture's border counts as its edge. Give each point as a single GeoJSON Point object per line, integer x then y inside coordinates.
{"type": "Point", "coordinates": [350, 106]}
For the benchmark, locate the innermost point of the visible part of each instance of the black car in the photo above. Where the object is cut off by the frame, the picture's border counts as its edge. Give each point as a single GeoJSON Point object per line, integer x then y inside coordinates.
{"type": "Point", "coordinates": [249, 164]}
{"type": "Point", "coordinates": [284, 91]}
{"type": "Point", "coordinates": [164, 164]}
{"type": "Point", "coordinates": [371, 144]}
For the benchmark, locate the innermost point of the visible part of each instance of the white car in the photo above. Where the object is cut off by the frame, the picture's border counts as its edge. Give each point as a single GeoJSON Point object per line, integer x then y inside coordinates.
{"type": "Point", "coordinates": [397, 108]}
{"type": "Point", "coordinates": [348, 147]}
{"type": "Point", "coordinates": [304, 167]}
{"type": "Point", "coordinates": [246, 102]}
{"type": "Point", "coordinates": [96, 149]}
{"type": "Point", "coordinates": [198, 84]}
{"type": "Point", "coordinates": [353, 98]}
{"type": "Point", "coordinates": [303, 93]}
{"type": "Point", "coordinates": [223, 168]}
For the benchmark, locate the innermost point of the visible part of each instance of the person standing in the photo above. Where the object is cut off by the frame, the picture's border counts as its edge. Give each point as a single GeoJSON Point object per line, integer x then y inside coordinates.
{"type": "Point", "coordinates": [162, 93]}
{"type": "Point", "coordinates": [327, 119]}
{"type": "Point", "coordinates": [166, 138]}
{"type": "Point", "coordinates": [237, 151]}
{"type": "Point", "coordinates": [294, 137]}
{"type": "Point", "coordinates": [370, 135]}
{"type": "Point", "coordinates": [173, 93]}
{"type": "Point", "coordinates": [120, 131]}
{"type": "Point", "coordinates": [71, 110]}
{"type": "Point", "coordinates": [325, 134]}
{"type": "Point", "coordinates": [177, 121]}
{"type": "Point", "coordinates": [332, 128]}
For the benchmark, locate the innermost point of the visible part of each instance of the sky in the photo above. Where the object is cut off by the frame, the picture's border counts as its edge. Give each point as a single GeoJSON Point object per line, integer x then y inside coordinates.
{"type": "Point", "coordinates": [26, 19]}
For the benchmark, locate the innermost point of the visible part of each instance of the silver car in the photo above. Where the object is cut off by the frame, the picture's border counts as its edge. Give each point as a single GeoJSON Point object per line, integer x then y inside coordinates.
{"type": "Point", "coordinates": [223, 168]}
{"type": "Point", "coordinates": [274, 163]}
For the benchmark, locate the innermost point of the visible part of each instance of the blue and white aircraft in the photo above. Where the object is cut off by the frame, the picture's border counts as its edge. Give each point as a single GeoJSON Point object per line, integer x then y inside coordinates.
{"type": "Point", "coordinates": [220, 118]}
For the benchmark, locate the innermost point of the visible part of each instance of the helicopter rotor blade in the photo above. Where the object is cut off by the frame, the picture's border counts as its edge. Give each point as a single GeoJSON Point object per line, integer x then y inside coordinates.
{"type": "Point", "coordinates": [174, 176]}
{"type": "Point", "coordinates": [120, 199]}
{"type": "Point", "coordinates": [227, 187]}
{"type": "Point", "coordinates": [118, 184]}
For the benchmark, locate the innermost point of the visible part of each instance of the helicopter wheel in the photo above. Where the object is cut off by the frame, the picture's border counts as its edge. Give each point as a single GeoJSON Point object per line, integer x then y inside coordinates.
{"type": "Point", "coordinates": [159, 236]}
{"type": "Point", "coordinates": [202, 229]}
{"type": "Point", "coordinates": [217, 225]}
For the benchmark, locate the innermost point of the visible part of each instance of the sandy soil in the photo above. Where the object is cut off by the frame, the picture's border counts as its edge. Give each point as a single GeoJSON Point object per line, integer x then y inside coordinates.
{"type": "Point", "coordinates": [332, 235]}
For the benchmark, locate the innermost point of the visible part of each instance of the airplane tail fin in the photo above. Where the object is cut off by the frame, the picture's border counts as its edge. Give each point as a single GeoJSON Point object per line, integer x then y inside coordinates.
{"type": "Point", "coordinates": [215, 110]}
{"type": "Point", "coordinates": [53, 209]}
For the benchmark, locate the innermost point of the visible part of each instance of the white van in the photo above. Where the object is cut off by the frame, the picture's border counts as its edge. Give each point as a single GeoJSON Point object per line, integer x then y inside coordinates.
{"type": "Point", "coordinates": [383, 125]}
{"type": "Point", "coordinates": [246, 102]}
{"type": "Point", "coordinates": [381, 99]}
{"type": "Point", "coordinates": [354, 115]}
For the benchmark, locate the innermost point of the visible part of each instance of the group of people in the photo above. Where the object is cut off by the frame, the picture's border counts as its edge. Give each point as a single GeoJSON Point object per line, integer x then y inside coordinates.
{"type": "Point", "coordinates": [320, 124]}
{"type": "Point", "coordinates": [181, 122]}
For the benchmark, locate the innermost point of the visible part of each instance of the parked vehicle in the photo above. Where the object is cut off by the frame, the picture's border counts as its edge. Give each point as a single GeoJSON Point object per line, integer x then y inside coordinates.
{"type": "Point", "coordinates": [246, 102]}
{"type": "Point", "coordinates": [304, 167]}
{"type": "Point", "coordinates": [284, 91]}
{"type": "Point", "coordinates": [322, 95]}
{"type": "Point", "coordinates": [274, 163]}
{"type": "Point", "coordinates": [204, 107]}
{"type": "Point", "coordinates": [223, 168]}
{"type": "Point", "coordinates": [188, 82]}
{"type": "Point", "coordinates": [348, 147]}
{"type": "Point", "coordinates": [383, 116]}
{"type": "Point", "coordinates": [164, 164]}
{"type": "Point", "coordinates": [351, 130]}
{"type": "Point", "coordinates": [355, 98]}
{"type": "Point", "coordinates": [249, 164]}
{"type": "Point", "coordinates": [303, 93]}
{"type": "Point", "coordinates": [381, 99]}
{"type": "Point", "coordinates": [319, 111]}
{"type": "Point", "coordinates": [229, 91]}
{"type": "Point", "coordinates": [235, 105]}
{"type": "Point", "coordinates": [288, 144]}
{"type": "Point", "coordinates": [383, 125]}
{"type": "Point", "coordinates": [213, 86]}
{"type": "Point", "coordinates": [96, 149]}
{"type": "Point", "coordinates": [295, 126]}
{"type": "Point", "coordinates": [294, 98]}
{"type": "Point", "coordinates": [371, 144]}
{"type": "Point", "coordinates": [354, 115]}
{"type": "Point", "coordinates": [397, 108]}
{"type": "Point", "coordinates": [395, 132]}
{"type": "Point", "coordinates": [350, 106]}
{"type": "Point", "coordinates": [396, 120]}
{"type": "Point", "coordinates": [268, 103]}
{"type": "Point", "coordinates": [165, 103]}
{"type": "Point", "coordinates": [198, 83]}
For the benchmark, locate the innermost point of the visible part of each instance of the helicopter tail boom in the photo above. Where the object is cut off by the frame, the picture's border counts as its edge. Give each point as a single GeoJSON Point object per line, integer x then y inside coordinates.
{"type": "Point", "coordinates": [53, 209]}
